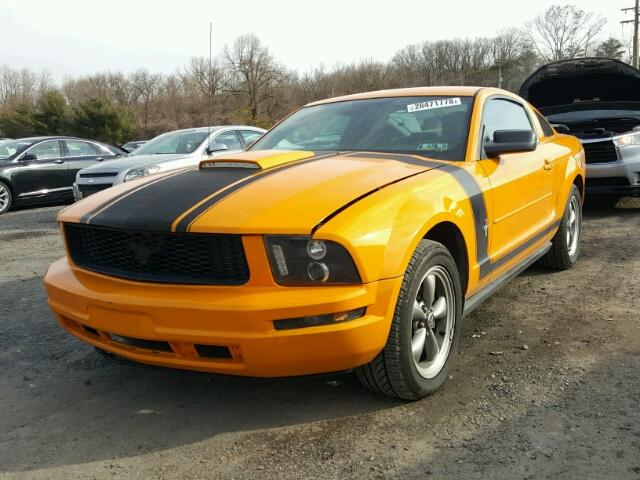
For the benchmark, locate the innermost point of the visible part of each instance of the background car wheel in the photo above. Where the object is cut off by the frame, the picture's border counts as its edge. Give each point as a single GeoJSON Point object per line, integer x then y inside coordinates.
{"type": "Point", "coordinates": [565, 247]}
{"type": "Point", "coordinates": [424, 332]}
{"type": "Point", "coordinates": [5, 198]}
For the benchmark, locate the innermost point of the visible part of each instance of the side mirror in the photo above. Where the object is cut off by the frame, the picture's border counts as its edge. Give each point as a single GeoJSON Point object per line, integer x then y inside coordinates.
{"type": "Point", "coordinates": [28, 157]}
{"type": "Point", "coordinates": [510, 141]}
{"type": "Point", "coordinates": [216, 147]}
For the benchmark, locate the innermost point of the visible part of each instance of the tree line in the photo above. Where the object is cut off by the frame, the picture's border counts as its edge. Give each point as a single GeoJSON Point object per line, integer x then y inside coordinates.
{"type": "Point", "coordinates": [247, 84]}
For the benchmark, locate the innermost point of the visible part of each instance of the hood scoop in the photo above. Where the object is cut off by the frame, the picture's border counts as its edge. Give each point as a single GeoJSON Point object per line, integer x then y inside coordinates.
{"type": "Point", "coordinates": [258, 160]}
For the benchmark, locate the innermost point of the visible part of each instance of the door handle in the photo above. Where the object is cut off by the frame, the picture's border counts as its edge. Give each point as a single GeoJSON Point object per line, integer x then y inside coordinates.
{"type": "Point", "coordinates": [548, 164]}
{"type": "Point", "coordinates": [99, 159]}
{"type": "Point", "coordinates": [58, 161]}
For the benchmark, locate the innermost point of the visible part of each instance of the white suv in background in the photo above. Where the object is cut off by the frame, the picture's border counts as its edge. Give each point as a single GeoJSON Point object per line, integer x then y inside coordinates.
{"type": "Point", "coordinates": [169, 151]}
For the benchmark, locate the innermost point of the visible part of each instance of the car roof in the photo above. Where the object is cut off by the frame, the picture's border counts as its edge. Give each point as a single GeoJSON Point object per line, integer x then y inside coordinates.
{"type": "Point", "coordinates": [404, 92]}
{"type": "Point", "coordinates": [54, 137]}
{"type": "Point", "coordinates": [214, 128]}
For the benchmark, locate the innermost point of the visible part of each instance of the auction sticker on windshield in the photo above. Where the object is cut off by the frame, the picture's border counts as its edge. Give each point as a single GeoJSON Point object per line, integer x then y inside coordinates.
{"type": "Point", "coordinates": [439, 103]}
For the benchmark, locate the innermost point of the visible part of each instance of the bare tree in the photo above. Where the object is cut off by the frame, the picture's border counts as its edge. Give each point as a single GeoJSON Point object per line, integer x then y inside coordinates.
{"type": "Point", "coordinates": [564, 31]}
{"type": "Point", "coordinates": [254, 75]}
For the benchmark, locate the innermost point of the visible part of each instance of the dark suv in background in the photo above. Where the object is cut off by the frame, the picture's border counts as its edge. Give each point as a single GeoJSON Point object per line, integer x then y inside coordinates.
{"type": "Point", "coordinates": [43, 169]}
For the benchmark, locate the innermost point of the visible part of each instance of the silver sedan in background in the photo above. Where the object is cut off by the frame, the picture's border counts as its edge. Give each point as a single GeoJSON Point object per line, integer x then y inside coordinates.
{"type": "Point", "coordinates": [169, 151]}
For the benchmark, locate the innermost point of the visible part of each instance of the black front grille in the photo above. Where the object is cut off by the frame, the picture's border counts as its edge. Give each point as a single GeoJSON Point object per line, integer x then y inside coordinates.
{"type": "Point", "coordinates": [98, 174]}
{"type": "Point", "coordinates": [600, 152]}
{"type": "Point", "coordinates": [607, 182]}
{"type": "Point", "coordinates": [87, 190]}
{"type": "Point", "coordinates": [190, 258]}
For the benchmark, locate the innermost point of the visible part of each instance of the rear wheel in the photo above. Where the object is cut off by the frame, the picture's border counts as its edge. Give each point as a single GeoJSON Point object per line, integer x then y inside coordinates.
{"type": "Point", "coordinates": [565, 247]}
{"type": "Point", "coordinates": [5, 198]}
{"type": "Point", "coordinates": [424, 332]}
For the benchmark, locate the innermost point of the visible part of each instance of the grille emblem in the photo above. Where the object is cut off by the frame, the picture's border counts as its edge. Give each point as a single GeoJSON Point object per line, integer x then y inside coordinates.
{"type": "Point", "coordinates": [91, 180]}
{"type": "Point", "coordinates": [143, 249]}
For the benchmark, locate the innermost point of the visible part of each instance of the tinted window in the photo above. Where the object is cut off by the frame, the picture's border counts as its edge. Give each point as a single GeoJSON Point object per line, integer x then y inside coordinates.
{"type": "Point", "coordinates": [9, 148]}
{"type": "Point", "coordinates": [546, 127]}
{"type": "Point", "coordinates": [249, 135]}
{"type": "Point", "coordinates": [46, 150]}
{"type": "Point", "coordinates": [76, 148]}
{"type": "Point", "coordinates": [173, 142]}
{"type": "Point", "coordinates": [230, 139]}
{"type": "Point", "coordinates": [431, 126]}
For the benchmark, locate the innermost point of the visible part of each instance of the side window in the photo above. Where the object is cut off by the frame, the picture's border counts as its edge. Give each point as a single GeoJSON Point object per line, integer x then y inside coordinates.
{"type": "Point", "coordinates": [501, 114]}
{"type": "Point", "coordinates": [230, 139]}
{"type": "Point", "coordinates": [46, 150]}
{"type": "Point", "coordinates": [547, 129]}
{"type": "Point", "coordinates": [249, 135]}
{"type": "Point", "coordinates": [76, 148]}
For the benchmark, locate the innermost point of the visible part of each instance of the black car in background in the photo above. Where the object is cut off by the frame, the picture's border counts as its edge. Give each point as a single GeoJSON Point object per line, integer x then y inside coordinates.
{"type": "Point", "coordinates": [131, 146]}
{"type": "Point", "coordinates": [42, 169]}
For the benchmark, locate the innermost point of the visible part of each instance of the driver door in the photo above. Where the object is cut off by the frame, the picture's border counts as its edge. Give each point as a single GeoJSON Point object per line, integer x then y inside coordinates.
{"type": "Point", "coordinates": [521, 186]}
{"type": "Point", "coordinates": [45, 174]}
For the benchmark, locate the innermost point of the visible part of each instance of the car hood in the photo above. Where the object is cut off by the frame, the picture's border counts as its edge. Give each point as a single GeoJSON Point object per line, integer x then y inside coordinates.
{"type": "Point", "coordinates": [130, 161]}
{"type": "Point", "coordinates": [251, 192]}
{"type": "Point", "coordinates": [581, 82]}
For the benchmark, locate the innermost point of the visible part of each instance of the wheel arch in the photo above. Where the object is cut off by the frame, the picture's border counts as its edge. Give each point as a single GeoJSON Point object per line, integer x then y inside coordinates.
{"type": "Point", "coordinates": [449, 234]}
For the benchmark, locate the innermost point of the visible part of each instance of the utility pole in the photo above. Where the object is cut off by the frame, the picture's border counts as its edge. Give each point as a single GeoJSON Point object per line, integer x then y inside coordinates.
{"type": "Point", "coordinates": [636, 17]}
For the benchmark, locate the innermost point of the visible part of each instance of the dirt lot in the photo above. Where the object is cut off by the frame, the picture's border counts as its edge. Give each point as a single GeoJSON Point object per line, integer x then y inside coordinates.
{"type": "Point", "coordinates": [547, 385]}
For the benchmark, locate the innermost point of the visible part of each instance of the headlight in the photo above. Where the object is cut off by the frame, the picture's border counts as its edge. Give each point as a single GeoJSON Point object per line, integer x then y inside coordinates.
{"type": "Point", "coordinates": [303, 260]}
{"type": "Point", "coordinates": [141, 172]}
{"type": "Point", "coordinates": [627, 139]}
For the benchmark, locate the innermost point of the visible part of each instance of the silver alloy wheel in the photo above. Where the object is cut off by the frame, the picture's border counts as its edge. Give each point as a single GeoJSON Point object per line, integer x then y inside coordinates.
{"type": "Point", "coordinates": [573, 226]}
{"type": "Point", "coordinates": [433, 322]}
{"type": "Point", "coordinates": [4, 198]}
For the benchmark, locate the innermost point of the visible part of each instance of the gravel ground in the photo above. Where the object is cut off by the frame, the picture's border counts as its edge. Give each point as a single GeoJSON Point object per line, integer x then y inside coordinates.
{"type": "Point", "coordinates": [546, 386]}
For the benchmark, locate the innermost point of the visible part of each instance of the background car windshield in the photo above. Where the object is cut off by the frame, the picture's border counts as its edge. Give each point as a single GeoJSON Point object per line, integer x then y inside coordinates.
{"type": "Point", "coordinates": [174, 142]}
{"type": "Point", "coordinates": [9, 148]}
{"type": "Point", "coordinates": [432, 126]}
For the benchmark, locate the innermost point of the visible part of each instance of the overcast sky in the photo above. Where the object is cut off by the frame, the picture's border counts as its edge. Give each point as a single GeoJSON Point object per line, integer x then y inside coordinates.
{"type": "Point", "coordinates": [69, 37]}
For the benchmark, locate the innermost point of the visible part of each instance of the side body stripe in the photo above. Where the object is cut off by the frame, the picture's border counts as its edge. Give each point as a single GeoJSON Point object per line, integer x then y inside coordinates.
{"type": "Point", "coordinates": [478, 206]}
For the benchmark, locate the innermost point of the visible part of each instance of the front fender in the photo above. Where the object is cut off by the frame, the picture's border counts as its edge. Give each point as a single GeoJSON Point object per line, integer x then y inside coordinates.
{"type": "Point", "coordinates": [382, 230]}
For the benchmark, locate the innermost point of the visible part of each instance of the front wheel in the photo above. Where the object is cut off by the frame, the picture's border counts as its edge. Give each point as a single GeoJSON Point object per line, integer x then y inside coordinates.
{"type": "Point", "coordinates": [5, 198]}
{"type": "Point", "coordinates": [565, 245]}
{"type": "Point", "coordinates": [424, 332]}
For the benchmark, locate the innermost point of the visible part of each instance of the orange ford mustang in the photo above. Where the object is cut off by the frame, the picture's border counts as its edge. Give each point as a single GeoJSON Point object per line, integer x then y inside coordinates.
{"type": "Point", "coordinates": [355, 234]}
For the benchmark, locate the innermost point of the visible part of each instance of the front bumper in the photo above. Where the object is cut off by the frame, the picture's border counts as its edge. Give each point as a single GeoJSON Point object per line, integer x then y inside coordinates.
{"type": "Point", "coordinates": [99, 309]}
{"type": "Point", "coordinates": [82, 188]}
{"type": "Point", "coordinates": [621, 177]}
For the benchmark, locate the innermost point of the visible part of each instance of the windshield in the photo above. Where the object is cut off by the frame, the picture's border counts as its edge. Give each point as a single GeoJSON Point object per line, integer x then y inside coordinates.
{"type": "Point", "coordinates": [586, 115]}
{"type": "Point", "coordinates": [10, 148]}
{"type": "Point", "coordinates": [435, 127]}
{"type": "Point", "coordinates": [173, 142]}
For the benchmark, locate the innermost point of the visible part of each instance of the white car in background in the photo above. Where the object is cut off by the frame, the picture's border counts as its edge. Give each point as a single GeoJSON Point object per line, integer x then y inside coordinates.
{"type": "Point", "coordinates": [169, 151]}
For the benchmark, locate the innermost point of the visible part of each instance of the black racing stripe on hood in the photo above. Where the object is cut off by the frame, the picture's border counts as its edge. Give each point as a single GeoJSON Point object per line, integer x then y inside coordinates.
{"type": "Point", "coordinates": [156, 206]}
{"type": "Point", "coordinates": [86, 218]}
{"type": "Point", "coordinates": [184, 223]}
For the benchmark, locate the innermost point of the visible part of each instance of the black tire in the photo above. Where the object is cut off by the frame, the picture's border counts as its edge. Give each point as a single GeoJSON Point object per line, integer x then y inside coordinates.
{"type": "Point", "coordinates": [393, 372]}
{"type": "Point", "coordinates": [6, 198]}
{"type": "Point", "coordinates": [560, 257]}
